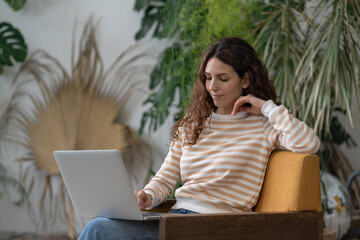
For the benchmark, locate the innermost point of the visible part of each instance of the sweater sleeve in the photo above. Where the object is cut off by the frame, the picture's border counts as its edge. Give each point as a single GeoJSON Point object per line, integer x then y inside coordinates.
{"type": "Point", "coordinates": [287, 132]}
{"type": "Point", "coordinates": [163, 183]}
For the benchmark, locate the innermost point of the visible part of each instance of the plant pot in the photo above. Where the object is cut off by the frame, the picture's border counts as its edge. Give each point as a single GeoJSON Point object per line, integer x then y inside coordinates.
{"type": "Point", "coordinates": [336, 204]}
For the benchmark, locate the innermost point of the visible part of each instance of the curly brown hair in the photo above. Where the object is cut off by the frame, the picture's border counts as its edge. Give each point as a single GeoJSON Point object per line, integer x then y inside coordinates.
{"type": "Point", "coordinates": [239, 54]}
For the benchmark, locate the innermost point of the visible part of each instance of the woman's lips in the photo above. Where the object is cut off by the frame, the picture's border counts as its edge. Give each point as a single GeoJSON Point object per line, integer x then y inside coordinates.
{"type": "Point", "coordinates": [216, 96]}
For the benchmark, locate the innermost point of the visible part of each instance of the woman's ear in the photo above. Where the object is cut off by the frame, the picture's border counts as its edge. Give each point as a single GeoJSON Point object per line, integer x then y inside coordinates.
{"type": "Point", "coordinates": [245, 81]}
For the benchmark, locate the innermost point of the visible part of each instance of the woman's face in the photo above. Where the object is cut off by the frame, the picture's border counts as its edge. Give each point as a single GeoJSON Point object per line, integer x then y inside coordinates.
{"type": "Point", "coordinates": [223, 84]}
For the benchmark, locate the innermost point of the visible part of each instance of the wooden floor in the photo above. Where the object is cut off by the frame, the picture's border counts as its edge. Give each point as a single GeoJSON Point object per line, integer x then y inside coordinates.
{"type": "Point", "coordinates": [32, 236]}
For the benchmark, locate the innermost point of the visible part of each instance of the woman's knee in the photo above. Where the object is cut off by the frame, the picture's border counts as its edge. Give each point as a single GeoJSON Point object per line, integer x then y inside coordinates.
{"type": "Point", "coordinates": [103, 228]}
{"type": "Point", "coordinates": [98, 222]}
{"type": "Point", "coordinates": [95, 229]}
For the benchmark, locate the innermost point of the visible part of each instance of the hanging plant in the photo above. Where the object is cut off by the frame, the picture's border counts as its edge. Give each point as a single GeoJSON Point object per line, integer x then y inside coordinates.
{"type": "Point", "coordinates": [75, 111]}
{"type": "Point", "coordinates": [16, 4]}
{"type": "Point", "coordinates": [12, 43]}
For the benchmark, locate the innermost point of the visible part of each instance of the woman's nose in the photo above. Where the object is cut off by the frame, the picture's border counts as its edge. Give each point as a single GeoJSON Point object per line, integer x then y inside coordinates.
{"type": "Point", "coordinates": [213, 85]}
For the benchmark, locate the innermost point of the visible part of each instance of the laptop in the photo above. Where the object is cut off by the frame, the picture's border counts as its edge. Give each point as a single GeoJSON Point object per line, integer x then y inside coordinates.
{"type": "Point", "coordinates": [98, 184]}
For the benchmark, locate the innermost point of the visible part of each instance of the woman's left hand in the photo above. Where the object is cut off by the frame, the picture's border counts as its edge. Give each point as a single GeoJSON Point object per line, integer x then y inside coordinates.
{"type": "Point", "coordinates": [255, 108]}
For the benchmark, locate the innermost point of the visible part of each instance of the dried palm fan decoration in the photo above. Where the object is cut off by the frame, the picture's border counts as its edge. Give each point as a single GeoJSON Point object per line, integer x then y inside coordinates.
{"type": "Point", "coordinates": [76, 111]}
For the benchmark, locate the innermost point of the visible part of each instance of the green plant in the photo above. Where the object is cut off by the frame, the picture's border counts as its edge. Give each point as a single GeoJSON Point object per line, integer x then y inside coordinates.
{"type": "Point", "coordinates": [16, 4]}
{"type": "Point", "coordinates": [6, 181]}
{"type": "Point", "coordinates": [312, 51]}
{"type": "Point", "coordinates": [312, 57]}
{"type": "Point", "coordinates": [12, 48]}
{"type": "Point", "coordinates": [193, 25]}
{"type": "Point", "coordinates": [279, 41]}
{"type": "Point", "coordinates": [12, 44]}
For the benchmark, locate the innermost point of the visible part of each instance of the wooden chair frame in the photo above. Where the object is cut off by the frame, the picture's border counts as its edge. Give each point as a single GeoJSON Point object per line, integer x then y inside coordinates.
{"type": "Point", "coordinates": [252, 225]}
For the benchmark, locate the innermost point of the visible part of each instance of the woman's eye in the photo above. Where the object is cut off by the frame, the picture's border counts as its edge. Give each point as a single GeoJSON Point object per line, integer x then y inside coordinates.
{"type": "Point", "coordinates": [208, 79]}
{"type": "Point", "coordinates": [224, 80]}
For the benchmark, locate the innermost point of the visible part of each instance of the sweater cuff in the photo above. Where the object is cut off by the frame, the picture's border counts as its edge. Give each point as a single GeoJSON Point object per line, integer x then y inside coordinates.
{"type": "Point", "coordinates": [268, 108]}
{"type": "Point", "coordinates": [151, 193]}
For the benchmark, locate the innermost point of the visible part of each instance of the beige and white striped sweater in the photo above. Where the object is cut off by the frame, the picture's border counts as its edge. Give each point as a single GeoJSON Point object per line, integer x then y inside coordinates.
{"type": "Point", "coordinates": [224, 170]}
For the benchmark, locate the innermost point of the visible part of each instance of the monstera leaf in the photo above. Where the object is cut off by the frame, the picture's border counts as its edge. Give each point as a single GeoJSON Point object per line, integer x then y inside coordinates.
{"type": "Point", "coordinates": [16, 4]}
{"type": "Point", "coordinates": [12, 45]}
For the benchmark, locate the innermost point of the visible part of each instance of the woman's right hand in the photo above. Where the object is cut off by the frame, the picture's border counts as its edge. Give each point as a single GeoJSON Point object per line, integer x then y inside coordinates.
{"type": "Point", "coordinates": [144, 199]}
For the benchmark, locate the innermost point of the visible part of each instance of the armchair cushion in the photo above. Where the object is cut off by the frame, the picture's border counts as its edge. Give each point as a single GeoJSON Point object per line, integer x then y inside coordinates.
{"type": "Point", "coordinates": [292, 183]}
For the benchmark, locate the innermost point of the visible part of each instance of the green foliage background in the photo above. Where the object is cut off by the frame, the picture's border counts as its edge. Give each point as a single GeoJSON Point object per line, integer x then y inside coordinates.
{"type": "Point", "coordinates": [12, 48]}
{"type": "Point", "coordinates": [195, 26]}
{"type": "Point", "coordinates": [12, 44]}
{"type": "Point", "coordinates": [311, 49]}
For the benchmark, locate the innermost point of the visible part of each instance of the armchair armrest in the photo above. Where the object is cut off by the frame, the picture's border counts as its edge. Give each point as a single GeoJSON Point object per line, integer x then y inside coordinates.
{"type": "Point", "coordinates": [163, 207]}
{"type": "Point", "coordinates": [254, 225]}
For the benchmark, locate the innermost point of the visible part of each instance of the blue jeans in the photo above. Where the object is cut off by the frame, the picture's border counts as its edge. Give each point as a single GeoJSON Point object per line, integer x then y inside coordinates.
{"type": "Point", "coordinates": [116, 229]}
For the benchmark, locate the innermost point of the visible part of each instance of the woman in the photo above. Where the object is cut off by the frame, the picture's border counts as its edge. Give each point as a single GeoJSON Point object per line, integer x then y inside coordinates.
{"type": "Point", "coordinates": [221, 146]}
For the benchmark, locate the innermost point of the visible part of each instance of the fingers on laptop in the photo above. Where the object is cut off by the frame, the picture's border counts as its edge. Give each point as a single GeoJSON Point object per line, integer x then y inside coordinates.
{"type": "Point", "coordinates": [144, 199]}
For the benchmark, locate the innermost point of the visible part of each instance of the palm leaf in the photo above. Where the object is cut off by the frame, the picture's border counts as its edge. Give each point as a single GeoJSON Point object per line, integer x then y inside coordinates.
{"type": "Point", "coordinates": [74, 111]}
{"type": "Point", "coordinates": [280, 42]}
{"type": "Point", "coordinates": [330, 65]}
{"type": "Point", "coordinates": [312, 55]}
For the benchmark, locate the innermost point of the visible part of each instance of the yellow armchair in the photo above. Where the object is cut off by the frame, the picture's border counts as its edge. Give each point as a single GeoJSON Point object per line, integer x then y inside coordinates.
{"type": "Point", "coordinates": [289, 207]}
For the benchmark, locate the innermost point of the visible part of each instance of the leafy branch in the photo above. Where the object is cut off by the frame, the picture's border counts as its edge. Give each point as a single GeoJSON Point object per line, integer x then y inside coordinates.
{"type": "Point", "coordinates": [9, 181]}
{"type": "Point", "coordinates": [12, 44]}
{"type": "Point", "coordinates": [312, 57]}
{"type": "Point", "coordinates": [191, 25]}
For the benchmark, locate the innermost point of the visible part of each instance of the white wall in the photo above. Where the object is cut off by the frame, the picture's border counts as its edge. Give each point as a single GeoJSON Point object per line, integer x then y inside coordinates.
{"type": "Point", "coordinates": [48, 25]}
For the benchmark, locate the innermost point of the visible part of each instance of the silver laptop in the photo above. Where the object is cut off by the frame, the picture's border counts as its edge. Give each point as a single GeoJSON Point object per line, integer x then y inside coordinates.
{"type": "Point", "coordinates": [98, 184]}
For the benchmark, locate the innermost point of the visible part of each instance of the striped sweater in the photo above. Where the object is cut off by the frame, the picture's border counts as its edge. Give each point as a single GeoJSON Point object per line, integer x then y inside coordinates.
{"type": "Point", "coordinates": [224, 170]}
